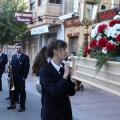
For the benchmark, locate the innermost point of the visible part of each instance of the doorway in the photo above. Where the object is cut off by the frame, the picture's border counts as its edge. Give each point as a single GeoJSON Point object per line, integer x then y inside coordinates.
{"type": "Point", "coordinates": [73, 44]}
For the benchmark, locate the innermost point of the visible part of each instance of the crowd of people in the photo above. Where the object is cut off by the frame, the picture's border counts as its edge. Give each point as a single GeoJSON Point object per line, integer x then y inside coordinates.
{"type": "Point", "coordinates": [52, 71]}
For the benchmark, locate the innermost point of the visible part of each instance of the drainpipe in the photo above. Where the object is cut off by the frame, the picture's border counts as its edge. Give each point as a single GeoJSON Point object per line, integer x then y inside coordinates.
{"type": "Point", "coordinates": [64, 5]}
{"type": "Point", "coordinates": [112, 6]}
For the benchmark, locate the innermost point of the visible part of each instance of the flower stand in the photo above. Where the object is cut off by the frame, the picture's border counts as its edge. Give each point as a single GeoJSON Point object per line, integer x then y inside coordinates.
{"type": "Point", "coordinates": [108, 78]}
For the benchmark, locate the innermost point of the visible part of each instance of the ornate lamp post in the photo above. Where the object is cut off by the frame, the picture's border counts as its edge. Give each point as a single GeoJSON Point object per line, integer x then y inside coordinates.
{"type": "Point", "coordinates": [87, 14]}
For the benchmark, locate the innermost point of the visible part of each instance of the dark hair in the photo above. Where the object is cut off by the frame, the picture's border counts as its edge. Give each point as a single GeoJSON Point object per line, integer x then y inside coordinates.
{"type": "Point", "coordinates": [74, 53]}
{"type": "Point", "coordinates": [1, 46]}
{"type": "Point", "coordinates": [45, 52]}
{"type": "Point", "coordinates": [66, 58]}
{"type": "Point", "coordinates": [55, 44]}
{"type": "Point", "coordinates": [40, 60]}
{"type": "Point", "coordinates": [19, 44]}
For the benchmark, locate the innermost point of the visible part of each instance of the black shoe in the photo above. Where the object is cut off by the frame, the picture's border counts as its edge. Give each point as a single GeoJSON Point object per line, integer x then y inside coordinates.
{"type": "Point", "coordinates": [11, 107]}
{"type": "Point", "coordinates": [81, 87]}
{"type": "Point", "coordinates": [0, 89]}
{"type": "Point", "coordinates": [18, 102]}
{"type": "Point", "coordinates": [21, 110]}
{"type": "Point", "coordinates": [8, 98]}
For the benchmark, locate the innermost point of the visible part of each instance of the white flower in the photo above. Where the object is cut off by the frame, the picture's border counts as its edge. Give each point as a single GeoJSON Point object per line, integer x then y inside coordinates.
{"type": "Point", "coordinates": [93, 33]}
{"type": "Point", "coordinates": [104, 50]}
{"type": "Point", "coordinates": [98, 36]}
{"type": "Point", "coordinates": [117, 16]}
{"type": "Point", "coordinates": [112, 42]}
{"type": "Point", "coordinates": [113, 31]}
{"type": "Point", "coordinates": [114, 34]}
{"type": "Point", "coordinates": [106, 31]}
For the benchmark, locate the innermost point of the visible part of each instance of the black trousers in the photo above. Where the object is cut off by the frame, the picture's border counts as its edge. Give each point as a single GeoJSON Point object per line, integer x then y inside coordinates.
{"type": "Point", "coordinates": [1, 73]}
{"type": "Point", "coordinates": [12, 93]}
{"type": "Point", "coordinates": [20, 91]}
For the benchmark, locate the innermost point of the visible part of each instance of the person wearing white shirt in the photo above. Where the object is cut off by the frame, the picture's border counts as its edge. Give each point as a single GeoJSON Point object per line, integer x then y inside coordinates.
{"type": "Point", "coordinates": [56, 83]}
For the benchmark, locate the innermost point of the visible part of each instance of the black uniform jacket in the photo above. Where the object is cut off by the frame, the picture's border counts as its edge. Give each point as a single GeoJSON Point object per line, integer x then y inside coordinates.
{"type": "Point", "coordinates": [20, 67]}
{"type": "Point", "coordinates": [56, 92]}
{"type": "Point", "coordinates": [3, 61]}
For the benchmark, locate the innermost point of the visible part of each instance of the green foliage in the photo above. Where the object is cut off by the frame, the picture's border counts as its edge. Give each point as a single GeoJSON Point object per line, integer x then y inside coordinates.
{"type": "Point", "coordinates": [11, 31]}
{"type": "Point", "coordinates": [102, 58]}
{"type": "Point", "coordinates": [81, 52]}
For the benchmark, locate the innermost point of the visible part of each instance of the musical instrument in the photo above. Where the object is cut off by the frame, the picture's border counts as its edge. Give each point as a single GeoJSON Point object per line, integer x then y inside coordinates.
{"type": "Point", "coordinates": [12, 87]}
{"type": "Point", "coordinates": [11, 76]}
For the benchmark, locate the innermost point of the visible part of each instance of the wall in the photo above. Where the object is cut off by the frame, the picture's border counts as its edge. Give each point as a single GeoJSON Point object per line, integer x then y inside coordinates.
{"type": "Point", "coordinates": [60, 33]}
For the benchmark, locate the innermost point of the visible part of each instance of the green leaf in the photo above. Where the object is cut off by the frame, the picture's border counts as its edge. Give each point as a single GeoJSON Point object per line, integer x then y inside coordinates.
{"type": "Point", "coordinates": [9, 29]}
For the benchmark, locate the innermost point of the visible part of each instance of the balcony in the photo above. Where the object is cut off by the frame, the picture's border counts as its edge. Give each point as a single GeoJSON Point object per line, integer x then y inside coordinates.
{"type": "Point", "coordinates": [49, 12]}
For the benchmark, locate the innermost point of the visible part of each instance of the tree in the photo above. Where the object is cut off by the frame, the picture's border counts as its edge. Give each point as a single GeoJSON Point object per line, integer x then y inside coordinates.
{"type": "Point", "coordinates": [11, 31]}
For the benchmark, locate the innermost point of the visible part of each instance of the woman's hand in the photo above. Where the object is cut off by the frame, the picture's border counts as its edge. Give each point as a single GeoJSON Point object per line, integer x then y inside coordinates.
{"type": "Point", "coordinates": [67, 70]}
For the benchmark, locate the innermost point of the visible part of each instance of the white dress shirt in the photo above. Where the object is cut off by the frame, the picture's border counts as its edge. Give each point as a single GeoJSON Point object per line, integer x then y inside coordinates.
{"type": "Point", "coordinates": [0, 54]}
{"type": "Point", "coordinates": [56, 66]}
{"type": "Point", "coordinates": [18, 55]}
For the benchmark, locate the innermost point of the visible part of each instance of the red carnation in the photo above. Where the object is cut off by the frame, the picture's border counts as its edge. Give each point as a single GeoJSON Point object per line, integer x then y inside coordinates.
{"type": "Point", "coordinates": [110, 46]}
{"type": "Point", "coordinates": [93, 44]}
{"type": "Point", "coordinates": [86, 50]}
{"type": "Point", "coordinates": [113, 22]}
{"type": "Point", "coordinates": [101, 27]}
{"type": "Point", "coordinates": [118, 37]}
{"type": "Point", "coordinates": [102, 42]}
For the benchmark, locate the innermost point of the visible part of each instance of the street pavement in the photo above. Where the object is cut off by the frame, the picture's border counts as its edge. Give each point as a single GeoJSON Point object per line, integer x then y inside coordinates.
{"type": "Point", "coordinates": [90, 104]}
{"type": "Point", "coordinates": [32, 104]}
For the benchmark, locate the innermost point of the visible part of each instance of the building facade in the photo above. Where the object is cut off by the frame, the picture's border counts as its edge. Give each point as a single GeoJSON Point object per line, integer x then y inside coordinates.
{"type": "Point", "coordinates": [60, 19]}
{"type": "Point", "coordinates": [74, 30]}
{"type": "Point", "coordinates": [45, 25]}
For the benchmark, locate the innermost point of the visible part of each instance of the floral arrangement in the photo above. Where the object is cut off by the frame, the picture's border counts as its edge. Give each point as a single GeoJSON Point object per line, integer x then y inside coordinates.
{"type": "Point", "coordinates": [105, 43]}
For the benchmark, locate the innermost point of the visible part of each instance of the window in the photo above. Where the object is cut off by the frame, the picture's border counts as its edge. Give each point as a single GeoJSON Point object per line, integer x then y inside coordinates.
{"type": "Point", "coordinates": [75, 5]}
{"type": "Point", "coordinates": [32, 4]}
{"type": "Point", "coordinates": [55, 1]}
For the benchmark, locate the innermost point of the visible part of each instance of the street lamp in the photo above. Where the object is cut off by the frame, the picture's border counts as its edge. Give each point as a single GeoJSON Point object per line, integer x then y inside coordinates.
{"type": "Point", "coordinates": [87, 14]}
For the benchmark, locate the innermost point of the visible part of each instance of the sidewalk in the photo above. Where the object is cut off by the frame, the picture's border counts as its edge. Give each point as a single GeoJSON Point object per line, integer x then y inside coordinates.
{"type": "Point", "coordinates": [33, 105]}
{"type": "Point", "coordinates": [90, 104]}
{"type": "Point", "coordinates": [95, 104]}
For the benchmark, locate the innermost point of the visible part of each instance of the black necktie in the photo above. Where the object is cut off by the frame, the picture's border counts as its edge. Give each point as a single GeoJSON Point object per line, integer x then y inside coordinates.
{"type": "Point", "coordinates": [61, 70]}
{"type": "Point", "coordinates": [18, 56]}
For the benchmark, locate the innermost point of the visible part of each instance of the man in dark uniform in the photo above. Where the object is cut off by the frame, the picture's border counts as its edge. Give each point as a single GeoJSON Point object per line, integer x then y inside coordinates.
{"type": "Point", "coordinates": [20, 69]}
{"type": "Point", "coordinates": [3, 62]}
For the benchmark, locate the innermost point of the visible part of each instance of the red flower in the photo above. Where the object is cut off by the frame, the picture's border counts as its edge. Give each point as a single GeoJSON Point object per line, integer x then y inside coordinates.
{"type": "Point", "coordinates": [102, 42]}
{"type": "Point", "coordinates": [101, 27]}
{"type": "Point", "coordinates": [110, 46]}
{"type": "Point", "coordinates": [113, 22]}
{"type": "Point", "coordinates": [118, 37]}
{"type": "Point", "coordinates": [86, 50]}
{"type": "Point", "coordinates": [93, 44]}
